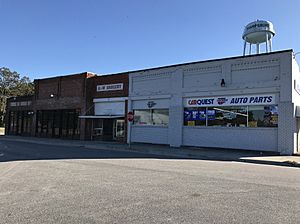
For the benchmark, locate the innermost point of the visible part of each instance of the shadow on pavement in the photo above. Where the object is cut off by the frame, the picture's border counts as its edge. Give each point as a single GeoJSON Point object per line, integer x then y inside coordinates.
{"type": "Point", "coordinates": [16, 150]}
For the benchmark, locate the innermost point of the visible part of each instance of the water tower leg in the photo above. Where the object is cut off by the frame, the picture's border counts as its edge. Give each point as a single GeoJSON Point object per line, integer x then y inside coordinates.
{"type": "Point", "coordinates": [250, 49]}
{"type": "Point", "coordinates": [257, 48]}
{"type": "Point", "coordinates": [244, 48]}
{"type": "Point", "coordinates": [270, 44]}
{"type": "Point", "coordinates": [267, 43]}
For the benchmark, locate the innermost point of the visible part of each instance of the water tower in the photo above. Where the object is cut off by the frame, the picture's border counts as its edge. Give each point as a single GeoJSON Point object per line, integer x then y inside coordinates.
{"type": "Point", "coordinates": [258, 32]}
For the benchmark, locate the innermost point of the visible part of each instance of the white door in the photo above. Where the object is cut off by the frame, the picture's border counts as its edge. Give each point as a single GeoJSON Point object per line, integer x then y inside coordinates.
{"type": "Point", "coordinates": [119, 129]}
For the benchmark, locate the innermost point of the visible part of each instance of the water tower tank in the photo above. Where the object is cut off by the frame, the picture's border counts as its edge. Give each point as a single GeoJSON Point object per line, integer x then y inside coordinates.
{"type": "Point", "coordinates": [258, 32]}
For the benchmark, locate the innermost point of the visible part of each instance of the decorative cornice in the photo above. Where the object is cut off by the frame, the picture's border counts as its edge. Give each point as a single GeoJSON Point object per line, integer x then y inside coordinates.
{"type": "Point", "coordinates": [204, 69]}
{"type": "Point", "coordinates": [255, 64]}
{"type": "Point", "coordinates": [159, 75]}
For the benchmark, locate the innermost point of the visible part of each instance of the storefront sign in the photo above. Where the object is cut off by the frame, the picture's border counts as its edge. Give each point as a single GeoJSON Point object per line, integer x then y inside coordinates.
{"type": "Point", "coordinates": [151, 104]}
{"type": "Point", "coordinates": [110, 87]}
{"type": "Point", "coordinates": [264, 99]}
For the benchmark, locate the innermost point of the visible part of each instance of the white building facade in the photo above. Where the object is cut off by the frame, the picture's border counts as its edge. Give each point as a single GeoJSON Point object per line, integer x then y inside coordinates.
{"type": "Point", "coordinates": [247, 102]}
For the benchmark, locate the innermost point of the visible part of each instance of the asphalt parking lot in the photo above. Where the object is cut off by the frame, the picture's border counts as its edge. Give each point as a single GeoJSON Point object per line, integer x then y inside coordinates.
{"type": "Point", "coordinates": [61, 184]}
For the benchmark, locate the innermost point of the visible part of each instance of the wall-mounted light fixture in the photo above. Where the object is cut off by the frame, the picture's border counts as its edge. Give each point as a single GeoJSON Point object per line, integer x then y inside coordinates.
{"type": "Point", "coordinates": [222, 83]}
{"type": "Point", "coordinates": [51, 95]}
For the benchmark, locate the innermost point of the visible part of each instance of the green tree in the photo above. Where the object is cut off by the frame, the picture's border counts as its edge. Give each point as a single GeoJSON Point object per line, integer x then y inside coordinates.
{"type": "Point", "coordinates": [12, 84]}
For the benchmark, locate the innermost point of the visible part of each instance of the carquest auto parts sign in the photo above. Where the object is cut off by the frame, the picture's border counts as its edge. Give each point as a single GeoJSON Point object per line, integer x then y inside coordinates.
{"type": "Point", "coordinates": [263, 99]}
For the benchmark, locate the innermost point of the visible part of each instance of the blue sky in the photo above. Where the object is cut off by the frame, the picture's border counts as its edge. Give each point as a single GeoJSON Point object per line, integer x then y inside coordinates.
{"type": "Point", "coordinates": [45, 38]}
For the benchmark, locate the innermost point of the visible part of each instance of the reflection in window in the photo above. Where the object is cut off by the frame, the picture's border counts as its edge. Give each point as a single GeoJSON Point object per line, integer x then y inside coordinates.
{"type": "Point", "coordinates": [228, 116]}
{"type": "Point", "coordinates": [151, 117]}
{"type": "Point", "coordinates": [263, 116]}
{"type": "Point", "coordinates": [160, 116]}
{"type": "Point", "coordinates": [142, 117]}
{"type": "Point", "coordinates": [239, 116]}
{"type": "Point", "coordinates": [58, 123]}
{"type": "Point", "coordinates": [98, 127]}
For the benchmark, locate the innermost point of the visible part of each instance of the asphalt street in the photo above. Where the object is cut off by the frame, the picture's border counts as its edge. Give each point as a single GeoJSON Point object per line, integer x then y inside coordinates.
{"type": "Point", "coordinates": [60, 184]}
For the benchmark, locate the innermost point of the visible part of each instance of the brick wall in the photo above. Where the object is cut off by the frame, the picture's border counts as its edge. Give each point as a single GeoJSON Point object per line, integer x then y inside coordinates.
{"type": "Point", "coordinates": [108, 79]}
{"type": "Point", "coordinates": [63, 92]}
{"type": "Point", "coordinates": [92, 94]}
{"type": "Point", "coordinates": [103, 80]}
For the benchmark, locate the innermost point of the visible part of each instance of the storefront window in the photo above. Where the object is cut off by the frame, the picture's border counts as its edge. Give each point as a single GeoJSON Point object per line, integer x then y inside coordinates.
{"type": "Point", "coordinates": [227, 116]}
{"type": "Point", "coordinates": [58, 123]}
{"type": "Point", "coordinates": [39, 122]}
{"type": "Point", "coordinates": [160, 117]}
{"type": "Point", "coordinates": [238, 116]}
{"type": "Point", "coordinates": [263, 116]}
{"type": "Point", "coordinates": [142, 117]}
{"type": "Point", "coordinates": [151, 117]}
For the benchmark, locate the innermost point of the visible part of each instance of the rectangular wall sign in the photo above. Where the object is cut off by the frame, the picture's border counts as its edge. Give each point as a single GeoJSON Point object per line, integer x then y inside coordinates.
{"type": "Point", "coordinates": [263, 99]}
{"type": "Point", "coordinates": [110, 87]}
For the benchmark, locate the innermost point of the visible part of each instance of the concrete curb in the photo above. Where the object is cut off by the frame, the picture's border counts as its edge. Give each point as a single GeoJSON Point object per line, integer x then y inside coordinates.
{"type": "Point", "coordinates": [271, 162]}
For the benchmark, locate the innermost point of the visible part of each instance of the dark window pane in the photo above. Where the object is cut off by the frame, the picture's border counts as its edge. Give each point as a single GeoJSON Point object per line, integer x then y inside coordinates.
{"type": "Point", "coordinates": [56, 123]}
{"type": "Point", "coordinates": [50, 122]}
{"type": "Point", "coordinates": [64, 127]}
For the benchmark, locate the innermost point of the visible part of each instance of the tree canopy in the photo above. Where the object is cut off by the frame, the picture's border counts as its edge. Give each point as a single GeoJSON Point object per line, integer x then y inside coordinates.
{"type": "Point", "coordinates": [12, 84]}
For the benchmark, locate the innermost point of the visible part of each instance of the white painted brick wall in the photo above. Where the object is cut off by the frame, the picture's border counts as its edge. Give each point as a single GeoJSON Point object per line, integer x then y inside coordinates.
{"type": "Point", "coordinates": [270, 73]}
{"type": "Point", "coordinates": [148, 134]}
{"type": "Point", "coordinates": [264, 139]}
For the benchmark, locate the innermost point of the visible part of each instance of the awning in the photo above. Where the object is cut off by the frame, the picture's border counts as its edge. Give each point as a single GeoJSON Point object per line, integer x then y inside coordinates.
{"type": "Point", "coordinates": [100, 116]}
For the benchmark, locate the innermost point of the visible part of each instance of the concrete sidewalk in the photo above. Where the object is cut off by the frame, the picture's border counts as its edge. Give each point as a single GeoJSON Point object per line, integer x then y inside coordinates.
{"type": "Point", "coordinates": [270, 158]}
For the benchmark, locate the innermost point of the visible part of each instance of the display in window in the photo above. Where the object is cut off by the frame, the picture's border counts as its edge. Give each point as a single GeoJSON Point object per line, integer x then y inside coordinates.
{"type": "Point", "coordinates": [211, 115]}
{"type": "Point", "coordinates": [194, 116]}
{"type": "Point", "coordinates": [191, 123]}
{"type": "Point", "coordinates": [271, 116]}
{"type": "Point", "coordinates": [263, 116]}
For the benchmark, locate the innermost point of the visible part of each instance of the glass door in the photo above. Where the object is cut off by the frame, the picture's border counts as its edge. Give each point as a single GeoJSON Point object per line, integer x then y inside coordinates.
{"type": "Point", "coordinates": [119, 129]}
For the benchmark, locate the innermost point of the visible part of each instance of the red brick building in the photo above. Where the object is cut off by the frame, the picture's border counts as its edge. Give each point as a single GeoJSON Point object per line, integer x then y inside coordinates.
{"type": "Point", "coordinates": [58, 103]}
{"type": "Point", "coordinates": [105, 117]}
{"type": "Point", "coordinates": [79, 106]}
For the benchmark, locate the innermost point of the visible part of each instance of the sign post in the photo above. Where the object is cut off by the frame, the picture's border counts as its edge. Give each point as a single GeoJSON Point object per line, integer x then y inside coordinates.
{"type": "Point", "coordinates": [130, 118]}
